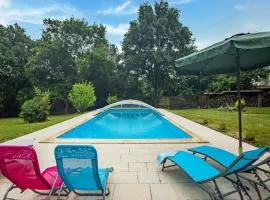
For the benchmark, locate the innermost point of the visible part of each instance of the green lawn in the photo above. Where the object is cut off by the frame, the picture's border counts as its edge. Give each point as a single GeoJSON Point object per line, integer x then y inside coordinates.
{"type": "Point", "coordinates": [14, 127]}
{"type": "Point", "coordinates": [256, 122]}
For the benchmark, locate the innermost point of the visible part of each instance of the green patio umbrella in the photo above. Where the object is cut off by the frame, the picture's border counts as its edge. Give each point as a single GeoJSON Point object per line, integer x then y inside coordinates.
{"type": "Point", "coordinates": [239, 52]}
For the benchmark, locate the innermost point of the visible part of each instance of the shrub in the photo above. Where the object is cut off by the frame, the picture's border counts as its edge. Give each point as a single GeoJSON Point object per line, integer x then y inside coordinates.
{"type": "Point", "coordinates": [112, 99]}
{"type": "Point", "coordinates": [205, 122]}
{"type": "Point", "coordinates": [222, 127]}
{"type": "Point", "coordinates": [242, 104]}
{"type": "Point", "coordinates": [82, 96]}
{"type": "Point", "coordinates": [36, 109]}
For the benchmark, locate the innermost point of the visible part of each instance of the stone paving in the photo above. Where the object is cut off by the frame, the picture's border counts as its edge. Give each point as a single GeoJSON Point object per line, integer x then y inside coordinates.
{"type": "Point", "coordinates": [136, 174]}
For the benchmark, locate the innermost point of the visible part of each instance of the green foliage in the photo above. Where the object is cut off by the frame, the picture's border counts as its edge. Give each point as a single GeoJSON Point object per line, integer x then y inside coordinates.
{"type": "Point", "coordinates": [222, 82]}
{"type": "Point", "coordinates": [14, 51]}
{"type": "Point", "coordinates": [154, 40]}
{"type": "Point", "coordinates": [205, 122]}
{"type": "Point", "coordinates": [242, 104]}
{"type": "Point", "coordinates": [112, 99]}
{"type": "Point", "coordinates": [52, 67]}
{"type": "Point", "coordinates": [82, 96]}
{"type": "Point", "coordinates": [36, 109]}
{"type": "Point", "coordinates": [97, 66]}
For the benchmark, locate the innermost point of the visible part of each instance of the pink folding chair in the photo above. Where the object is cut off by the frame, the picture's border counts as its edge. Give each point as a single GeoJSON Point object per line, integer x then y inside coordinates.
{"type": "Point", "coordinates": [20, 165]}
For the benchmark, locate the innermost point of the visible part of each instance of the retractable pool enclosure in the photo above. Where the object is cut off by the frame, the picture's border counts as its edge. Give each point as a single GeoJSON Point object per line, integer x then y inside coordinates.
{"type": "Point", "coordinates": [129, 104]}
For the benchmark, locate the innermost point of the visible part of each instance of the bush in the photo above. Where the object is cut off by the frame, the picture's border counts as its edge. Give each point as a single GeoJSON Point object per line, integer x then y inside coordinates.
{"type": "Point", "coordinates": [222, 127]}
{"type": "Point", "coordinates": [36, 109]}
{"type": "Point", "coordinates": [205, 122]}
{"type": "Point", "coordinates": [82, 96]}
{"type": "Point", "coordinates": [112, 99]}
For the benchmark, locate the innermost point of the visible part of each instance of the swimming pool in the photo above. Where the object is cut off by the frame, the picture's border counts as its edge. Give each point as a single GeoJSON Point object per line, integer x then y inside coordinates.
{"type": "Point", "coordinates": [127, 124]}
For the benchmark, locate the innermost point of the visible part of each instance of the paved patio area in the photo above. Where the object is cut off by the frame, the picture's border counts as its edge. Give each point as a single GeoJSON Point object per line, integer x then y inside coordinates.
{"type": "Point", "coordinates": [136, 174]}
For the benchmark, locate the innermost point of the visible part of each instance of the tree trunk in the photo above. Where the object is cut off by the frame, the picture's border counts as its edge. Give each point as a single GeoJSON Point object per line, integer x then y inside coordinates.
{"type": "Point", "coordinates": [66, 106]}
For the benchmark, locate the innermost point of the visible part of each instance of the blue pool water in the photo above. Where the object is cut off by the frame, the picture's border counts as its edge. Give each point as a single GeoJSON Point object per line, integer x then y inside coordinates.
{"type": "Point", "coordinates": [127, 124]}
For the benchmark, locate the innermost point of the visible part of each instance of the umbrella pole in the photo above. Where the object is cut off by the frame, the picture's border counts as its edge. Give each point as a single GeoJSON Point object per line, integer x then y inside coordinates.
{"type": "Point", "coordinates": [240, 148]}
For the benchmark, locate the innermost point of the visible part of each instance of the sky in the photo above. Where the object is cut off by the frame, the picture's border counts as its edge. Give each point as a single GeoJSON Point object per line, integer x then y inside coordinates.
{"type": "Point", "coordinates": [209, 20]}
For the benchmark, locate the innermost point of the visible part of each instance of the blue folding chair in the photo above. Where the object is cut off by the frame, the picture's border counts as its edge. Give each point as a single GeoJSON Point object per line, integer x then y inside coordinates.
{"type": "Point", "coordinates": [225, 159]}
{"type": "Point", "coordinates": [78, 167]}
{"type": "Point", "coordinates": [202, 172]}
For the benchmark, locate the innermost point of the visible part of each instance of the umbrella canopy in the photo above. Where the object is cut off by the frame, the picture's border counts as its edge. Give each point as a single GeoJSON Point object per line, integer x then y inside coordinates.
{"type": "Point", "coordinates": [239, 52]}
{"type": "Point", "coordinates": [254, 52]}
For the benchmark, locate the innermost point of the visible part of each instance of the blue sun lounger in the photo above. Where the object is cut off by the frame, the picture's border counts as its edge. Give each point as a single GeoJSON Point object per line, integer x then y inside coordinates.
{"type": "Point", "coordinates": [78, 167]}
{"type": "Point", "coordinates": [202, 172]}
{"type": "Point", "coordinates": [225, 159]}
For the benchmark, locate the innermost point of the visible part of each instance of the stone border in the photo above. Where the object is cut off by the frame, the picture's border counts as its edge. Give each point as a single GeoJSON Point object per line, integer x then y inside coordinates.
{"type": "Point", "coordinates": [53, 137]}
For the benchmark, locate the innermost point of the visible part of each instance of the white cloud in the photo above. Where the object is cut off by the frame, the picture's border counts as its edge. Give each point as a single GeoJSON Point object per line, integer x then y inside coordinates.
{"type": "Point", "coordinates": [127, 8]}
{"type": "Point", "coordinates": [4, 3]}
{"type": "Point", "coordinates": [201, 44]}
{"type": "Point", "coordinates": [118, 30]}
{"type": "Point", "coordinates": [10, 15]}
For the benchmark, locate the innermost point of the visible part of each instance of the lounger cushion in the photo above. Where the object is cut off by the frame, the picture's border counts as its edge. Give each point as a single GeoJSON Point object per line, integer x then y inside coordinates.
{"type": "Point", "coordinates": [198, 169]}
{"type": "Point", "coordinates": [224, 158]}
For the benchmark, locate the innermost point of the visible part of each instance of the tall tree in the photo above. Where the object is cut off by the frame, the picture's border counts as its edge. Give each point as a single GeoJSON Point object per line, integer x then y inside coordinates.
{"type": "Point", "coordinates": [52, 67]}
{"type": "Point", "coordinates": [14, 50]}
{"type": "Point", "coordinates": [53, 63]}
{"type": "Point", "coordinates": [97, 66]}
{"type": "Point", "coordinates": [75, 34]}
{"type": "Point", "coordinates": [153, 42]}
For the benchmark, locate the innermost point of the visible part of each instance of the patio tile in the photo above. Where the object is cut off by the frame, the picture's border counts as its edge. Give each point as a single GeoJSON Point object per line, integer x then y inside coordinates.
{"type": "Point", "coordinates": [123, 177]}
{"type": "Point", "coordinates": [146, 158]}
{"type": "Point", "coordinates": [148, 177]}
{"type": "Point", "coordinates": [137, 167]}
{"type": "Point", "coordinates": [189, 191]}
{"type": "Point", "coordinates": [117, 166]}
{"type": "Point", "coordinates": [128, 158]}
{"type": "Point", "coordinates": [173, 176]}
{"type": "Point", "coordinates": [132, 192]}
{"type": "Point", "coordinates": [152, 166]}
{"type": "Point", "coordinates": [163, 192]}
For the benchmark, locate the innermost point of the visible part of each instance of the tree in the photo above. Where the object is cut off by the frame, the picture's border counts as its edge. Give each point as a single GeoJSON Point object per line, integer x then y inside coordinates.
{"type": "Point", "coordinates": [96, 66]}
{"type": "Point", "coordinates": [82, 96]}
{"type": "Point", "coordinates": [14, 51]}
{"type": "Point", "coordinates": [152, 44]}
{"type": "Point", "coordinates": [75, 34]}
{"type": "Point", "coordinates": [53, 62]}
{"type": "Point", "coordinates": [52, 67]}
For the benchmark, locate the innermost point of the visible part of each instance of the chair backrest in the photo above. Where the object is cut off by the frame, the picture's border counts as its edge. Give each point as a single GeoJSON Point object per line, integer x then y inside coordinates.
{"type": "Point", "coordinates": [78, 167]}
{"type": "Point", "coordinates": [20, 165]}
{"type": "Point", "coordinates": [245, 160]}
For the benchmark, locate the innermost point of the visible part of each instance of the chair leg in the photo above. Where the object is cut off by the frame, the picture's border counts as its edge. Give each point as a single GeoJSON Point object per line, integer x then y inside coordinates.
{"type": "Point", "coordinates": [8, 190]}
{"type": "Point", "coordinates": [218, 190]}
{"type": "Point", "coordinates": [60, 190]}
{"type": "Point", "coordinates": [243, 187]}
{"type": "Point", "coordinates": [52, 189]}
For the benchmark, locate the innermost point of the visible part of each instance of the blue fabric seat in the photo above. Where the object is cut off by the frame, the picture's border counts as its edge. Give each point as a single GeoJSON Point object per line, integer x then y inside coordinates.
{"type": "Point", "coordinates": [78, 168]}
{"type": "Point", "coordinates": [200, 171]}
{"type": "Point", "coordinates": [190, 164]}
{"type": "Point", "coordinates": [223, 157]}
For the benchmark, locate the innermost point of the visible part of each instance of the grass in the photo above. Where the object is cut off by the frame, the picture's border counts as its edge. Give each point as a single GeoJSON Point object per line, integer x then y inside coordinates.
{"type": "Point", "coordinates": [11, 128]}
{"type": "Point", "coordinates": [256, 121]}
